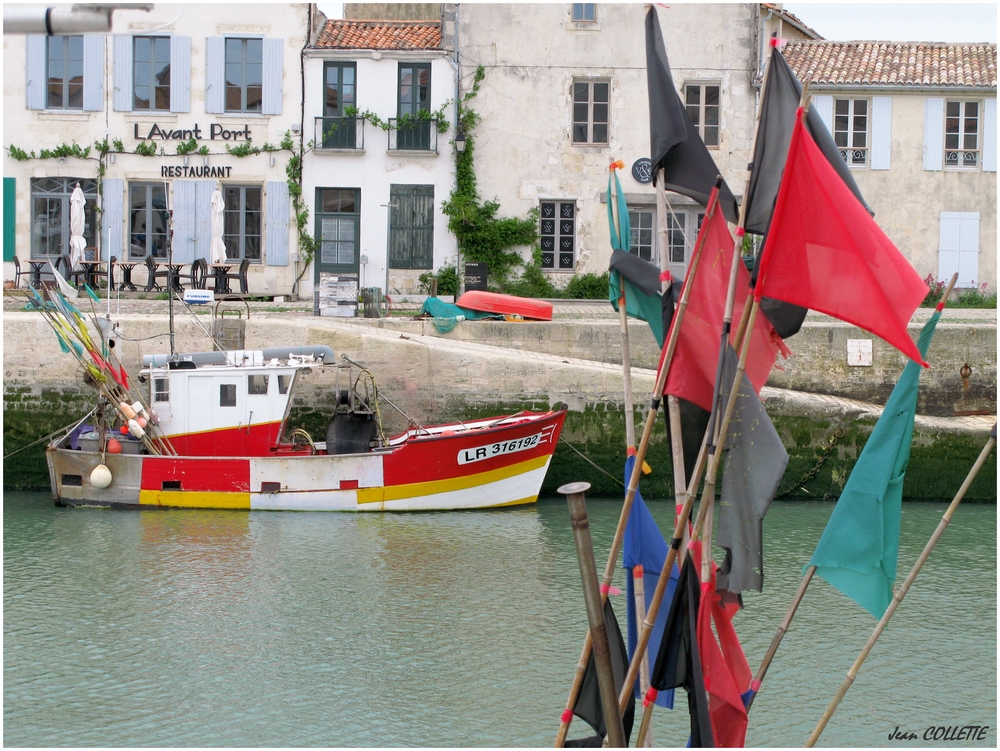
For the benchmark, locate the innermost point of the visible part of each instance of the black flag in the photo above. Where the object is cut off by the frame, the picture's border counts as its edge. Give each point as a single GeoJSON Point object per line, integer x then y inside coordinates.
{"type": "Point", "coordinates": [753, 465]}
{"type": "Point", "coordinates": [675, 145]}
{"type": "Point", "coordinates": [782, 92]}
{"type": "Point", "coordinates": [588, 702]}
{"type": "Point", "coordinates": [678, 664]}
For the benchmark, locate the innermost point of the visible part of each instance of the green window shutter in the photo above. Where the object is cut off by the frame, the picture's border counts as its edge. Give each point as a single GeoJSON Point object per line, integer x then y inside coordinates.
{"type": "Point", "coordinates": [9, 218]}
{"type": "Point", "coordinates": [411, 227]}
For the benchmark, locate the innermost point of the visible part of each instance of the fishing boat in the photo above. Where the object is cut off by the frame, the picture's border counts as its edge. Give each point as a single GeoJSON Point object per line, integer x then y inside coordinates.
{"type": "Point", "coordinates": [213, 436]}
{"type": "Point", "coordinates": [507, 305]}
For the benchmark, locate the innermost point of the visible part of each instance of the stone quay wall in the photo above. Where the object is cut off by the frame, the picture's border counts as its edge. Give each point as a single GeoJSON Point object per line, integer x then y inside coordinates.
{"type": "Point", "coordinates": [439, 379]}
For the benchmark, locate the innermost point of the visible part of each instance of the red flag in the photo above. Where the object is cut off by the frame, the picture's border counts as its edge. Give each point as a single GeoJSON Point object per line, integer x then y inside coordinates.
{"type": "Point", "coordinates": [826, 253]}
{"type": "Point", "coordinates": [692, 371]}
{"type": "Point", "coordinates": [725, 668]}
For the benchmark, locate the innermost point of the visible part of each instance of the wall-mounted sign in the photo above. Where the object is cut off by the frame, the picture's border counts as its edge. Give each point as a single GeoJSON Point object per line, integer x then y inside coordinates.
{"type": "Point", "coordinates": [642, 171]}
{"type": "Point", "coordinates": [475, 276]}
{"type": "Point", "coordinates": [859, 352]}
{"type": "Point", "coordinates": [215, 132]}
{"type": "Point", "coordinates": [187, 171]}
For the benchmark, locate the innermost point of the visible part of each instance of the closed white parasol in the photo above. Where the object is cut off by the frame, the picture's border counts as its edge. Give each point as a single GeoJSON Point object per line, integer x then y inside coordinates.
{"type": "Point", "coordinates": [218, 254]}
{"type": "Point", "coordinates": [76, 226]}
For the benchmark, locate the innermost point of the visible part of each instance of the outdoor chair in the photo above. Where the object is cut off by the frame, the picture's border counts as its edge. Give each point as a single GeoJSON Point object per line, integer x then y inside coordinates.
{"type": "Point", "coordinates": [197, 274]}
{"type": "Point", "coordinates": [17, 273]}
{"type": "Point", "coordinates": [241, 274]}
{"type": "Point", "coordinates": [76, 278]}
{"type": "Point", "coordinates": [153, 274]}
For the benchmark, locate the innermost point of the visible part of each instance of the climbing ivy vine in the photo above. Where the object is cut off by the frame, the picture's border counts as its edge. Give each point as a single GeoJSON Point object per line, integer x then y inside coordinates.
{"type": "Point", "coordinates": [482, 235]}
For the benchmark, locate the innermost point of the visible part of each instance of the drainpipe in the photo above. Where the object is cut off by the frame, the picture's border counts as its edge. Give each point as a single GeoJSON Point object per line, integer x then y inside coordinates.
{"type": "Point", "coordinates": [761, 37]}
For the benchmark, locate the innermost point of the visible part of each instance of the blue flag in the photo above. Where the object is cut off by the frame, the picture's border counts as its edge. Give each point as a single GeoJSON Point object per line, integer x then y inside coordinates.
{"type": "Point", "coordinates": [644, 545]}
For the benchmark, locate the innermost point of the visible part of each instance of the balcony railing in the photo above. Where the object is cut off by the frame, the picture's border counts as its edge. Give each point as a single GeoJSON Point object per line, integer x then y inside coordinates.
{"type": "Point", "coordinates": [415, 135]}
{"type": "Point", "coordinates": [340, 133]}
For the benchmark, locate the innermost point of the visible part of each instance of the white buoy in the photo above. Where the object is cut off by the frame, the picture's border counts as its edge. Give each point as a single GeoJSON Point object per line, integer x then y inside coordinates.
{"type": "Point", "coordinates": [134, 429]}
{"type": "Point", "coordinates": [100, 477]}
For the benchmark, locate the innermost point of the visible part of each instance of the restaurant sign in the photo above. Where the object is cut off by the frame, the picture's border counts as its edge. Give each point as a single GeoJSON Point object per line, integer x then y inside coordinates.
{"type": "Point", "coordinates": [215, 132]}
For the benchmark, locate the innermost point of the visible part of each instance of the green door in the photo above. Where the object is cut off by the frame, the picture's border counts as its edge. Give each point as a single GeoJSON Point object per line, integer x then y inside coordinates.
{"type": "Point", "coordinates": [411, 226]}
{"type": "Point", "coordinates": [338, 230]}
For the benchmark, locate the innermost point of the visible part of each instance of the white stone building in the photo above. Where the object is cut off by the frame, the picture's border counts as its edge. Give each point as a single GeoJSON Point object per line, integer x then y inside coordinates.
{"type": "Point", "coordinates": [200, 77]}
{"type": "Point", "coordinates": [917, 124]}
{"type": "Point", "coordinates": [379, 111]}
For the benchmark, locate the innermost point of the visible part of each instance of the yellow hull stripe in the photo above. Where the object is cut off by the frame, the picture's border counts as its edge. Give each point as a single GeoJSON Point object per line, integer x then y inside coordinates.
{"type": "Point", "coordinates": [194, 499]}
{"type": "Point", "coordinates": [417, 489]}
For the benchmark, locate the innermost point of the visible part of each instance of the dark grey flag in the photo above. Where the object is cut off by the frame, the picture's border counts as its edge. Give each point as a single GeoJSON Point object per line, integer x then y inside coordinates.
{"type": "Point", "coordinates": [674, 143]}
{"type": "Point", "coordinates": [752, 467]}
{"type": "Point", "coordinates": [782, 92]}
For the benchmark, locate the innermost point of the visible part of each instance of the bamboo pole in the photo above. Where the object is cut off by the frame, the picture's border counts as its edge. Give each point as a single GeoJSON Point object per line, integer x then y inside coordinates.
{"type": "Point", "coordinates": [804, 584]}
{"type": "Point", "coordinates": [623, 320]}
{"type": "Point", "coordinates": [904, 588]}
{"type": "Point", "coordinates": [577, 503]}
{"type": "Point", "coordinates": [677, 454]}
{"type": "Point", "coordinates": [644, 740]}
{"type": "Point", "coordinates": [661, 377]}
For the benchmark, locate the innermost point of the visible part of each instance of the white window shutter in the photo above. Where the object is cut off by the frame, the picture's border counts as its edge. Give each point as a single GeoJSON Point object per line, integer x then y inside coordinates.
{"type": "Point", "coordinates": [278, 209]}
{"type": "Point", "coordinates": [34, 86]}
{"type": "Point", "coordinates": [113, 220]}
{"type": "Point", "coordinates": [272, 75]}
{"type": "Point", "coordinates": [184, 221]}
{"type": "Point", "coordinates": [215, 75]}
{"type": "Point", "coordinates": [823, 105]}
{"type": "Point", "coordinates": [203, 218]}
{"type": "Point", "coordinates": [881, 132]}
{"type": "Point", "coordinates": [968, 249]}
{"type": "Point", "coordinates": [934, 135]}
{"type": "Point", "coordinates": [990, 135]}
{"type": "Point", "coordinates": [93, 72]}
{"type": "Point", "coordinates": [180, 74]}
{"type": "Point", "coordinates": [121, 75]}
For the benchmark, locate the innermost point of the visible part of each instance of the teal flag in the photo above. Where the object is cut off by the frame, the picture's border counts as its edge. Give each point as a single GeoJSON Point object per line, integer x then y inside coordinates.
{"type": "Point", "coordinates": [859, 547]}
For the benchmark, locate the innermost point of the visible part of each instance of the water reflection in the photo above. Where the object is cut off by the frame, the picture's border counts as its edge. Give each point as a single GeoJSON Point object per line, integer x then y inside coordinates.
{"type": "Point", "coordinates": [202, 628]}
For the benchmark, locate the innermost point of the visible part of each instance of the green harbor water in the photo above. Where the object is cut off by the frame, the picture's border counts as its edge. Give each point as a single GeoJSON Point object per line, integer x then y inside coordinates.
{"type": "Point", "coordinates": [202, 628]}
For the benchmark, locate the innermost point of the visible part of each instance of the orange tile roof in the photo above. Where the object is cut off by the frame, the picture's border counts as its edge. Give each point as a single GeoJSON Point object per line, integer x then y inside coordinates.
{"type": "Point", "coordinates": [795, 20]}
{"type": "Point", "coordinates": [894, 63]}
{"type": "Point", "coordinates": [380, 35]}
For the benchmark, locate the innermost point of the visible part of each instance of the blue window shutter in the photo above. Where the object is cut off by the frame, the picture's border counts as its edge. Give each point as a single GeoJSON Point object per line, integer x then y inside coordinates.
{"type": "Point", "coordinates": [934, 136]}
{"type": "Point", "coordinates": [823, 105]}
{"type": "Point", "coordinates": [35, 71]}
{"type": "Point", "coordinates": [948, 245]}
{"type": "Point", "coordinates": [272, 74]}
{"type": "Point", "coordinates": [113, 220]}
{"type": "Point", "coordinates": [990, 135]}
{"type": "Point", "coordinates": [180, 74]}
{"type": "Point", "coordinates": [121, 76]}
{"type": "Point", "coordinates": [215, 75]}
{"type": "Point", "coordinates": [968, 248]}
{"type": "Point", "coordinates": [881, 131]}
{"type": "Point", "coordinates": [203, 218]}
{"type": "Point", "coordinates": [93, 72]}
{"type": "Point", "coordinates": [278, 207]}
{"type": "Point", "coordinates": [184, 221]}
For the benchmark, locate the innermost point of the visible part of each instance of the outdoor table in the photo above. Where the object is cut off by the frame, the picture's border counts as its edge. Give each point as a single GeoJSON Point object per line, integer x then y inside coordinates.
{"type": "Point", "coordinates": [36, 273]}
{"type": "Point", "coordinates": [174, 276]}
{"type": "Point", "coordinates": [126, 282]}
{"type": "Point", "coordinates": [90, 272]}
{"type": "Point", "coordinates": [219, 271]}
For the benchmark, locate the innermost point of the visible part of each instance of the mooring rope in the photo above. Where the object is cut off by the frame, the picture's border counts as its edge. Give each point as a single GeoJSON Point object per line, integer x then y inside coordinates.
{"type": "Point", "coordinates": [590, 461]}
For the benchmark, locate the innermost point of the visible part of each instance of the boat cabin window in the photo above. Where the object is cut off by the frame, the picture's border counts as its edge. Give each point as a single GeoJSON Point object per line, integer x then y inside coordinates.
{"type": "Point", "coordinates": [227, 395]}
{"type": "Point", "coordinates": [283, 382]}
{"type": "Point", "coordinates": [161, 390]}
{"type": "Point", "coordinates": [257, 384]}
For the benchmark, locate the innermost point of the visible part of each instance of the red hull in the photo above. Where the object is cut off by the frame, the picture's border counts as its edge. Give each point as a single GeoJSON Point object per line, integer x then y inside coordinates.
{"type": "Point", "coordinates": [492, 302]}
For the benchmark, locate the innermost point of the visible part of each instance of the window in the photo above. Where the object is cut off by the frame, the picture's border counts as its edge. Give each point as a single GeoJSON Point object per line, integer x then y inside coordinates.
{"type": "Point", "coordinates": [339, 131]}
{"type": "Point", "coordinates": [50, 214]}
{"type": "Point", "coordinates": [557, 229]}
{"type": "Point", "coordinates": [244, 75]}
{"type": "Point", "coordinates": [702, 102]}
{"type": "Point", "coordinates": [64, 72]}
{"type": "Point", "coordinates": [961, 134]}
{"type": "Point", "coordinates": [257, 385]}
{"type": "Point", "coordinates": [590, 111]}
{"type": "Point", "coordinates": [283, 383]}
{"type": "Point", "coordinates": [151, 73]}
{"type": "Point", "coordinates": [148, 221]}
{"type": "Point", "coordinates": [161, 390]}
{"type": "Point", "coordinates": [584, 12]}
{"type": "Point", "coordinates": [227, 394]}
{"type": "Point", "coordinates": [338, 220]}
{"type": "Point", "coordinates": [241, 222]}
{"type": "Point", "coordinates": [850, 130]}
{"type": "Point", "coordinates": [414, 104]}
{"type": "Point", "coordinates": [411, 226]}
{"type": "Point", "coordinates": [641, 240]}
{"type": "Point", "coordinates": [675, 238]}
